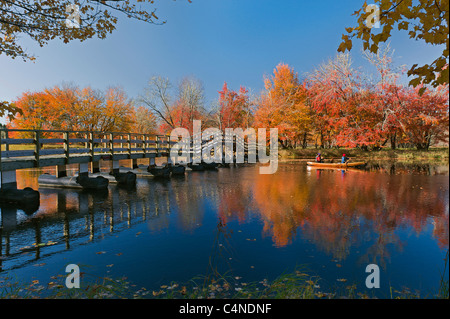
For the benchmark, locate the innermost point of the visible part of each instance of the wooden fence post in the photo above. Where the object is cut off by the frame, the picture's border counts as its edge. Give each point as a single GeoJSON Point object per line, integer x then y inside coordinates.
{"type": "Point", "coordinates": [66, 146]}
{"type": "Point", "coordinates": [37, 147]}
{"type": "Point", "coordinates": [129, 145]}
{"type": "Point", "coordinates": [157, 145]}
{"type": "Point", "coordinates": [111, 145]}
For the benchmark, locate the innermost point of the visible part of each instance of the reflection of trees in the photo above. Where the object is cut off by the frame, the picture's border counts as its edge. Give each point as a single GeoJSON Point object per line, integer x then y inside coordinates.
{"type": "Point", "coordinates": [335, 210]}
{"type": "Point", "coordinates": [338, 210]}
{"type": "Point", "coordinates": [281, 201]}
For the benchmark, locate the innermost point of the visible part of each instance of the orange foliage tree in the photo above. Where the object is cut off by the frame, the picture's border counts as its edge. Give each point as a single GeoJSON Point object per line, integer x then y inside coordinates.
{"type": "Point", "coordinates": [75, 109]}
{"type": "Point", "coordinates": [283, 105]}
{"type": "Point", "coordinates": [234, 108]}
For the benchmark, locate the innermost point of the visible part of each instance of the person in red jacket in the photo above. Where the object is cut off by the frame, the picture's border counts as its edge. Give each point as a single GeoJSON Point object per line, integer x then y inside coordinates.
{"type": "Point", "coordinates": [319, 158]}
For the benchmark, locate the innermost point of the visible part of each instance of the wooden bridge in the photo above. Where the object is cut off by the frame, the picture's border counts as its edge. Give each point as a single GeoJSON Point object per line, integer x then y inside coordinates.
{"type": "Point", "coordinates": [22, 149]}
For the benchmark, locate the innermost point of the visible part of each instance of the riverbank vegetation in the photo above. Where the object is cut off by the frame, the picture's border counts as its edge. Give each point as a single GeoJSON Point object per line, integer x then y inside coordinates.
{"type": "Point", "coordinates": [434, 154]}
{"type": "Point", "coordinates": [295, 285]}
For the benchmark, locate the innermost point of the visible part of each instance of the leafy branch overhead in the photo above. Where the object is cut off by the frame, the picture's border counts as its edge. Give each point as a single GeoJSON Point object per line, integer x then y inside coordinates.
{"type": "Point", "coordinates": [9, 109]}
{"type": "Point", "coordinates": [45, 20]}
{"type": "Point", "coordinates": [425, 20]}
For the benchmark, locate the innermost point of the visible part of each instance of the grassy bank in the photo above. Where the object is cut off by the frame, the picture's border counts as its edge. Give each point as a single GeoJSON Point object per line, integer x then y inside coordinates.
{"type": "Point", "coordinates": [295, 285]}
{"type": "Point", "coordinates": [433, 154]}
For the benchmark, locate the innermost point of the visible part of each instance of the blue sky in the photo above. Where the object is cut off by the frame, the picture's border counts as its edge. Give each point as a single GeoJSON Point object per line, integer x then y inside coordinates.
{"type": "Point", "coordinates": [238, 41]}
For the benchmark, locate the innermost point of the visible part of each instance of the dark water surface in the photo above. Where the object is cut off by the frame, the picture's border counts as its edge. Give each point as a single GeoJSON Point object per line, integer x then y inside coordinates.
{"type": "Point", "coordinates": [330, 222]}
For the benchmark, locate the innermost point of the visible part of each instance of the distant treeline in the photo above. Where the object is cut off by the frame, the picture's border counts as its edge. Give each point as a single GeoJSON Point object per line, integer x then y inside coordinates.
{"type": "Point", "coordinates": [336, 105]}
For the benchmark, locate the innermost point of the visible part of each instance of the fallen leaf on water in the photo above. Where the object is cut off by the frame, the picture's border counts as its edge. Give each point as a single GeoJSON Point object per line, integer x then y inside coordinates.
{"type": "Point", "coordinates": [35, 282]}
{"type": "Point", "coordinates": [100, 252]}
{"type": "Point", "coordinates": [110, 265]}
{"type": "Point", "coordinates": [338, 265]}
{"type": "Point", "coordinates": [138, 233]}
{"type": "Point", "coordinates": [341, 279]}
{"type": "Point", "coordinates": [119, 254]}
{"type": "Point", "coordinates": [39, 265]}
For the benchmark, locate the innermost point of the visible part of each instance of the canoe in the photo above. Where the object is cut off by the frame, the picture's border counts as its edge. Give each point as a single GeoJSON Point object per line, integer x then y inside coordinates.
{"type": "Point", "coordinates": [336, 165]}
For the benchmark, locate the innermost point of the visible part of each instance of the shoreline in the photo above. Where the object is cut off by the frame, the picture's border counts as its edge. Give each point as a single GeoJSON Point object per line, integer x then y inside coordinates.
{"type": "Point", "coordinates": [438, 155]}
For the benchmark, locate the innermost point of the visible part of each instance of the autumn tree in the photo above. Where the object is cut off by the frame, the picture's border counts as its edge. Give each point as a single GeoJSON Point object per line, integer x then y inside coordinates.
{"type": "Point", "coordinates": [233, 108]}
{"type": "Point", "coordinates": [144, 121]}
{"type": "Point", "coordinates": [71, 108]}
{"type": "Point", "coordinates": [45, 20]}
{"type": "Point", "coordinates": [405, 115]}
{"type": "Point", "coordinates": [423, 20]}
{"type": "Point", "coordinates": [426, 116]}
{"type": "Point", "coordinates": [387, 99]}
{"type": "Point", "coordinates": [283, 105]}
{"type": "Point", "coordinates": [340, 100]}
{"type": "Point", "coordinates": [35, 112]}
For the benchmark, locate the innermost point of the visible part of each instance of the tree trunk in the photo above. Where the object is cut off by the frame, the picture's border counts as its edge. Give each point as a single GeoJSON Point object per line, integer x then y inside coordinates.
{"type": "Point", "coordinates": [305, 141]}
{"type": "Point", "coordinates": [422, 146]}
{"type": "Point", "coordinates": [394, 141]}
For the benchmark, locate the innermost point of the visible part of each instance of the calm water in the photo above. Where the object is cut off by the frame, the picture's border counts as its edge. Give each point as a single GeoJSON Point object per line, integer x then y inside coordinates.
{"type": "Point", "coordinates": [331, 222]}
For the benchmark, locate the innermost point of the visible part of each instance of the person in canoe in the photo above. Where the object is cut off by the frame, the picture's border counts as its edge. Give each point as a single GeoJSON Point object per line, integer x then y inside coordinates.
{"type": "Point", "coordinates": [319, 158]}
{"type": "Point", "coordinates": [344, 159]}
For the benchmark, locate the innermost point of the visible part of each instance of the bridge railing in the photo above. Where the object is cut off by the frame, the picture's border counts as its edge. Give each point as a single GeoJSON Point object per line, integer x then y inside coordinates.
{"type": "Point", "coordinates": [49, 147]}
{"type": "Point", "coordinates": [43, 146]}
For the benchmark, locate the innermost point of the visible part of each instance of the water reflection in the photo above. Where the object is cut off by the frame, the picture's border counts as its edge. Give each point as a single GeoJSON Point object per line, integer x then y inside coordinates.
{"type": "Point", "coordinates": [334, 209]}
{"type": "Point", "coordinates": [339, 209]}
